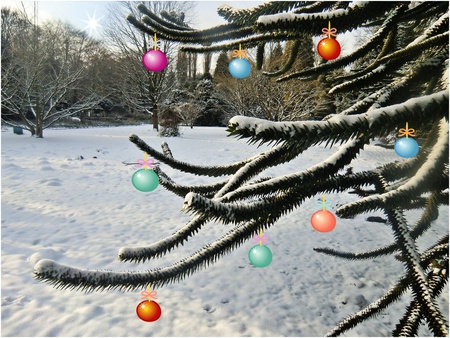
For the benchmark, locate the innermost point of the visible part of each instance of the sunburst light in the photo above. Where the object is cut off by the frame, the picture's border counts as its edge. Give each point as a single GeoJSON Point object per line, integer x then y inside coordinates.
{"type": "Point", "coordinates": [93, 23]}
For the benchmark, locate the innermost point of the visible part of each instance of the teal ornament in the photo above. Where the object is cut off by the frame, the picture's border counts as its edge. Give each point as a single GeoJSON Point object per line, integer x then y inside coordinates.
{"type": "Point", "coordinates": [260, 256]}
{"type": "Point", "coordinates": [145, 180]}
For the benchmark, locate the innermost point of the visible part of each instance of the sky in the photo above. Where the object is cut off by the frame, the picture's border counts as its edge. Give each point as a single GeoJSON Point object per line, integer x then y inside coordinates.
{"type": "Point", "coordinates": [82, 14]}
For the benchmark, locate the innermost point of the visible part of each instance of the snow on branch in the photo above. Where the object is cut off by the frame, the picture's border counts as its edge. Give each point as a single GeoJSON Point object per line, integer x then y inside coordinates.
{"type": "Point", "coordinates": [67, 277]}
{"type": "Point", "coordinates": [367, 47]}
{"type": "Point", "coordinates": [413, 187]}
{"type": "Point", "coordinates": [429, 215]}
{"type": "Point", "coordinates": [375, 123]}
{"type": "Point", "coordinates": [390, 296]}
{"type": "Point", "coordinates": [313, 22]}
{"type": "Point", "coordinates": [183, 166]}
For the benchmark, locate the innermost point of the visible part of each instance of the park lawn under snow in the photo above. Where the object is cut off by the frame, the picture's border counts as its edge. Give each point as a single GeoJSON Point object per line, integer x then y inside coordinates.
{"type": "Point", "coordinates": [69, 198]}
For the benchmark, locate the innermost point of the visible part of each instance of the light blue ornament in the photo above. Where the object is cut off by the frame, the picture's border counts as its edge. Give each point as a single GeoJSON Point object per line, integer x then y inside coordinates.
{"type": "Point", "coordinates": [145, 180]}
{"type": "Point", "coordinates": [406, 147]}
{"type": "Point", "coordinates": [239, 68]}
{"type": "Point", "coordinates": [260, 256]}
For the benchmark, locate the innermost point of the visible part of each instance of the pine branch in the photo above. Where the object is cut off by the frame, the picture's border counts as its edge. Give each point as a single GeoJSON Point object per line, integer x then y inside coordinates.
{"type": "Point", "coordinates": [429, 215]}
{"type": "Point", "coordinates": [409, 324]}
{"type": "Point", "coordinates": [390, 22]}
{"type": "Point", "coordinates": [312, 23]}
{"type": "Point", "coordinates": [66, 277]}
{"type": "Point", "coordinates": [419, 283]}
{"type": "Point", "coordinates": [160, 21]}
{"type": "Point", "coordinates": [413, 187]}
{"type": "Point", "coordinates": [376, 123]}
{"type": "Point", "coordinates": [389, 297]}
{"type": "Point", "coordinates": [151, 24]}
{"type": "Point", "coordinates": [283, 191]}
{"type": "Point", "coordinates": [185, 167]}
{"type": "Point", "coordinates": [242, 16]}
{"type": "Point", "coordinates": [163, 246]}
{"type": "Point", "coordinates": [181, 190]}
{"type": "Point", "coordinates": [390, 63]}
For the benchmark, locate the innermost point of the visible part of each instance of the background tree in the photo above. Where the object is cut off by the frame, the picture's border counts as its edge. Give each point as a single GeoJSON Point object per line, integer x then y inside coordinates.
{"type": "Point", "coordinates": [262, 96]}
{"type": "Point", "coordinates": [407, 81]}
{"type": "Point", "coordinates": [42, 71]}
{"type": "Point", "coordinates": [143, 91]}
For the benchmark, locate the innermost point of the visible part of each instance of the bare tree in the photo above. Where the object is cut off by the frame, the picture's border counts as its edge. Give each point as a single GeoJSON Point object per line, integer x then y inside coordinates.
{"type": "Point", "coordinates": [141, 90]}
{"type": "Point", "coordinates": [39, 74]}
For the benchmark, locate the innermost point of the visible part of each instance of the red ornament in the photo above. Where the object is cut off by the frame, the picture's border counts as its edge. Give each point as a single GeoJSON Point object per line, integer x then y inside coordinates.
{"type": "Point", "coordinates": [148, 310]}
{"type": "Point", "coordinates": [323, 221]}
{"type": "Point", "coordinates": [329, 48]}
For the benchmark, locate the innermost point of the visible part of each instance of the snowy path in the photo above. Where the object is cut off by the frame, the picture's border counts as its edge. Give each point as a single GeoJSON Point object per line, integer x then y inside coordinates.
{"type": "Point", "coordinates": [81, 211]}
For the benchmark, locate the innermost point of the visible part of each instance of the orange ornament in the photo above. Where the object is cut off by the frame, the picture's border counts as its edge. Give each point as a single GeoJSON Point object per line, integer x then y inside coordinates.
{"type": "Point", "coordinates": [148, 311]}
{"type": "Point", "coordinates": [329, 48]}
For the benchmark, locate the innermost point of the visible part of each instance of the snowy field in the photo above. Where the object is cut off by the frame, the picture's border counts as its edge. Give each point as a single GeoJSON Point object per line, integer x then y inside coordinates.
{"type": "Point", "coordinates": [69, 198]}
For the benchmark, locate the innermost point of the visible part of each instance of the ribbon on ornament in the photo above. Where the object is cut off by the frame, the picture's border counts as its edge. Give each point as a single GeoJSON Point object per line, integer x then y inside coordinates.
{"type": "Point", "coordinates": [241, 53]}
{"type": "Point", "coordinates": [150, 163]}
{"type": "Point", "coordinates": [264, 239]}
{"type": "Point", "coordinates": [146, 162]}
{"type": "Point", "coordinates": [324, 203]}
{"type": "Point", "coordinates": [156, 44]}
{"type": "Point", "coordinates": [406, 131]}
{"type": "Point", "coordinates": [261, 239]}
{"type": "Point", "coordinates": [329, 32]}
{"type": "Point", "coordinates": [148, 294]}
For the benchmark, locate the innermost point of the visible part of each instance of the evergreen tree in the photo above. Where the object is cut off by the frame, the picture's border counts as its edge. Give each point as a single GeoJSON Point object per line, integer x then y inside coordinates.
{"type": "Point", "coordinates": [407, 81]}
{"type": "Point", "coordinates": [221, 69]}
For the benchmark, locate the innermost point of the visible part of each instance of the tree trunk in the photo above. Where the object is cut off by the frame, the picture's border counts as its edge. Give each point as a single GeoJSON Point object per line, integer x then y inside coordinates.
{"type": "Point", "coordinates": [155, 117]}
{"type": "Point", "coordinates": [39, 125]}
{"type": "Point", "coordinates": [39, 132]}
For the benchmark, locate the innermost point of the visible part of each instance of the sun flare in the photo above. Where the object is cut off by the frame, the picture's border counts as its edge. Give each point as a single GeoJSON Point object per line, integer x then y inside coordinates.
{"type": "Point", "coordinates": [93, 23]}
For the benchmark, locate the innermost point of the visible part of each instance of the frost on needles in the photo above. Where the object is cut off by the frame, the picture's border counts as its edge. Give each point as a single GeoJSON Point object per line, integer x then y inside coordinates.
{"type": "Point", "coordinates": [399, 74]}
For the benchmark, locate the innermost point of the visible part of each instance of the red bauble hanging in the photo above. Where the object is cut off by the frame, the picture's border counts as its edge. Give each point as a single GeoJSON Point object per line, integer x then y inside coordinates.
{"type": "Point", "coordinates": [323, 220]}
{"type": "Point", "coordinates": [329, 48]}
{"type": "Point", "coordinates": [148, 310]}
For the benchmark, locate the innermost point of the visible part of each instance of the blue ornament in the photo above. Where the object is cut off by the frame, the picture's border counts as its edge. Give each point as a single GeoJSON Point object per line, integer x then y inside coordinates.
{"type": "Point", "coordinates": [239, 68]}
{"type": "Point", "coordinates": [260, 256]}
{"type": "Point", "coordinates": [145, 180]}
{"type": "Point", "coordinates": [406, 147]}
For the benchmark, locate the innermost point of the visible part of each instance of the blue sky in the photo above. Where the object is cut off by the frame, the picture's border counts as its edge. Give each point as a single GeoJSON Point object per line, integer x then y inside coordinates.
{"type": "Point", "coordinates": [78, 13]}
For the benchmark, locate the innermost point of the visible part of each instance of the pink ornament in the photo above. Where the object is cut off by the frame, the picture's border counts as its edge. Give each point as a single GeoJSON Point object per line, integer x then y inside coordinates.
{"type": "Point", "coordinates": [154, 60]}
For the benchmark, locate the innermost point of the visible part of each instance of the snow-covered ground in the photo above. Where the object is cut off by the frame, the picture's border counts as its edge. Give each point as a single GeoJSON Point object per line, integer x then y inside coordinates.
{"type": "Point", "coordinates": [69, 198]}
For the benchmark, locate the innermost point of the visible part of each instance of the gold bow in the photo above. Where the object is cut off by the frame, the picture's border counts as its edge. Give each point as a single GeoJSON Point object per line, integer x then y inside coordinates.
{"type": "Point", "coordinates": [406, 131]}
{"type": "Point", "coordinates": [241, 53]}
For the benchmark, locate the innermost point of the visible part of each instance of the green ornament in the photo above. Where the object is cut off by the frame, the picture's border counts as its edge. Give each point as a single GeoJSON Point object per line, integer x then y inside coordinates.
{"type": "Point", "coordinates": [260, 256]}
{"type": "Point", "coordinates": [145, 180]}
